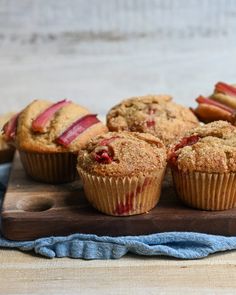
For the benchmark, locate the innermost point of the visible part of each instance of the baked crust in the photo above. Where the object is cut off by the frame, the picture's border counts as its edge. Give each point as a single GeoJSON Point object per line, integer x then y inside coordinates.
{"type": "Point", "coordinates": [221, 105]}
{"type": "Point", "coordinates": [208, 113]}
{"type": "Point", "coordinates": [132, 153]}
{"type": "Point", "coordinates": [213, 152]}
{"type": "Point", "coordinates": [154, 114]}
{"type": "Point", "coordinates": [28, 140]}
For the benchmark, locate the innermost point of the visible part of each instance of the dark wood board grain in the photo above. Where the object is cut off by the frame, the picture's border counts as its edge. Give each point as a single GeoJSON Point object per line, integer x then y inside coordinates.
{"type": "Point", "coordinates": [32, 210]}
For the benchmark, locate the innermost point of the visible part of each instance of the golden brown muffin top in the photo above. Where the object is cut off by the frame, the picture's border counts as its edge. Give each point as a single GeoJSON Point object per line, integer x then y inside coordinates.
{"type": "Point", "coordinates": [122, 154]}
{"type": "Point", "coordinates": [3, 119]}
{"type": "Point", "coordinates": [210, 148]}
{"type": "Point", "coordinates": [46, 139]}
{"type": "Point", "coordinates": [154, 114]}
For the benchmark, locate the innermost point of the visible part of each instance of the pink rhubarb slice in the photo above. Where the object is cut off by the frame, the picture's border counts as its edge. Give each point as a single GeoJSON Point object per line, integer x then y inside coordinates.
{"type": "Point", "coordinates": [78, 127]}
{"type": "Point", "coordinates": [225, 88]}
{"type": "Point", "coordinates": [42, 120]}
{"type": "Point", "coordinates": [127, 206]}
{"type": "Point", "coordinates": [186, 141]}
{"type": "Point", "coordinates": [205, 100]}
{"type": "Point", "coordinates": [104, 153]}
{"type": "Point", "coordinates": [9, 129]}
{"type": "Point", "coordinates": [151, 123]}
{"type": "Point", "coordinates": [107, 141]}
{"type": "Point", "coordinates": [103, 156]}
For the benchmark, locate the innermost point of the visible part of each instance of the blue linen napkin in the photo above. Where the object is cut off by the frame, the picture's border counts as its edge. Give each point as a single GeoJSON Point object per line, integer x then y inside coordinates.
{"type": "Point", "coordinates": [184, 245]}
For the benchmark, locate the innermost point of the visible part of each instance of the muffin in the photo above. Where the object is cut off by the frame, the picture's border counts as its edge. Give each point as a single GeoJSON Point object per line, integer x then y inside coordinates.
{"type": "Point", "coordinates": [6, 151]}
{"type": "Point", "coordinates": [154, 114]}
{"type": "Point", "coordinates": [122, 172]}
{"type": "Point", "coordinates": [203, 166]}
{"type": "Point", "coordinates": [49, 135]}
{"type": "Point", "coordinates": [221, 105]}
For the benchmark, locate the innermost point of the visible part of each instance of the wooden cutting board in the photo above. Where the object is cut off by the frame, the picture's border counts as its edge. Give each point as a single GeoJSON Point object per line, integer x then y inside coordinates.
{"type": "Point", "coordinates": [33, 210]}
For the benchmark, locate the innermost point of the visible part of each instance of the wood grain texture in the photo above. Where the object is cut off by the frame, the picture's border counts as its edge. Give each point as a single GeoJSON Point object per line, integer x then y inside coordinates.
{"type": "Point", "coordinates": [99, 52]}
{"type": "Point", "coordinates": [29, 205]}
{"type": "Point", "coordinates": [22, 273]}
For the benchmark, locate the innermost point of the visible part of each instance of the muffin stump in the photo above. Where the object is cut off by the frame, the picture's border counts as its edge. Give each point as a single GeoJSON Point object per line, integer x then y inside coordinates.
{"type": "Point", "coordinates": [204, 167]}
{"type": "Point", "coordinates": [153, 114]}
{"type": "Point", "coordinates": [122, 172]}
{"type": "Point", "coordinates": [49, 136]}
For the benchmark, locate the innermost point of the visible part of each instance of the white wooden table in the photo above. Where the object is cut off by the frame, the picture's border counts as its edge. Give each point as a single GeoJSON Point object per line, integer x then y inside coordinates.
{"type": "Point", "coordinates": [22, 273]}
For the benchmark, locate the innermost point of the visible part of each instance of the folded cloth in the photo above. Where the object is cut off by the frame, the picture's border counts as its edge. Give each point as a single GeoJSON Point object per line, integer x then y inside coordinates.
{"type": "Point", "coordinates": [184, 245]}
{"type": "Point", "coordinates": [176, 244]}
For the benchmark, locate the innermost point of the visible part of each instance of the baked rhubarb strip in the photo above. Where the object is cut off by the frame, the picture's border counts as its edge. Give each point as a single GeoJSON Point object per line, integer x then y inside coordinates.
{"type": "Point", "coordinates": [207, 113]}
{"type": "Point", "coordinates": [104, 153]}
{"type": "Point", "coordinates": [107, 141]}
{"type": "Point", "coordinates": [205, 100]}
{"type": "Point", "coordinates": [127, 206]}
{"type": "Point", "coordinates": [186, 141]}
{"type": "Point", "coordinates": [9, 129]}
{"type": "Point", "coordinates": [41, 121]}
{"type": "Point", "coordinates": [78, 127]}
{"type": "Point", "coordinates": [225, 88]}
{"type": "Point", "coordinates": [150, 123]}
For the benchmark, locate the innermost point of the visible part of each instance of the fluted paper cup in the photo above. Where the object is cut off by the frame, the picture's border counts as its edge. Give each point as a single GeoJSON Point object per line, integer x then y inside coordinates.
{"type": "Point", "coordinates": [207, 191]}
{"type": "Point", "coordinates": [50, 167]}
{"type": "Point", "coordinates": [121, 196]}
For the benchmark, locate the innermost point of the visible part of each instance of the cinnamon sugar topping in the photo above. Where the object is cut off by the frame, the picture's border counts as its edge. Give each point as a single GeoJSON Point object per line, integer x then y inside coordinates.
{"type": "Point", "coordinates": [213, 151]}
{"type": "Point", "coordinates": [154, 114]}
{"type": "Point", "coordinates": [123, 153]}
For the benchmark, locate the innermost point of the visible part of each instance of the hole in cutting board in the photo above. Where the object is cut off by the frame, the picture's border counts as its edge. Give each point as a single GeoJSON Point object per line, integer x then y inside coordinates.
{"type": "Point", "coordinates": [35, 205]}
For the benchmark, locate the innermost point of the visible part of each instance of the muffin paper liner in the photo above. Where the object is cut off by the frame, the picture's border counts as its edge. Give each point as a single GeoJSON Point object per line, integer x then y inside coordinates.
{"type": "Point", "coordinates": [207, 191]}
{"type": "Point", "coordinates": [50, 167]}
{"type": "Point", "coordinates": [121, 196]}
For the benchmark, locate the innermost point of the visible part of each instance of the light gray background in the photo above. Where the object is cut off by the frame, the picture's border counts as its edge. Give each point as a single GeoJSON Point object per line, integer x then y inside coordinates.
{"type": "Point", "coordinates": [97, 52]}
